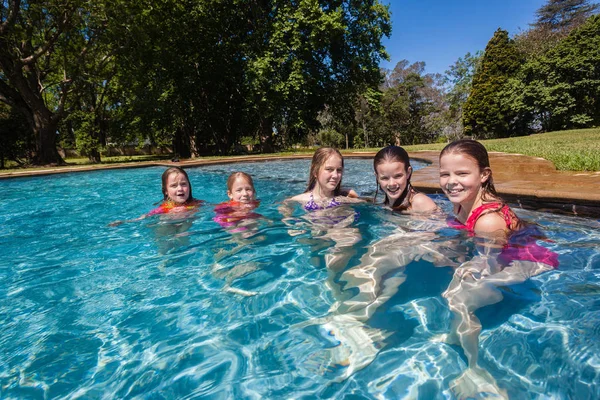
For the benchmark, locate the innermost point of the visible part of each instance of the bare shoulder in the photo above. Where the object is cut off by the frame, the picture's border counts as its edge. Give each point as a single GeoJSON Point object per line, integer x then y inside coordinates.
{"type": "Point", "coordinates": [422, 203]}
{"type": "Point", "coordinates": [301, 198]}
{"type": "Point", "coordinates": [490, 223]}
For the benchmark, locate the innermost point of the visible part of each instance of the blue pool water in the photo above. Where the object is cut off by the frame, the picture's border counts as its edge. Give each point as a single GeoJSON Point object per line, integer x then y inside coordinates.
{"type": "Point", "coordinates": [170, 309]}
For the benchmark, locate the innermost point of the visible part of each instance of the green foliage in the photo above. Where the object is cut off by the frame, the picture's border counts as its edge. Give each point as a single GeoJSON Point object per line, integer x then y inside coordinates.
{"type": "Point", "coordinates": [198, 74]}
{"type": "Point", "coordinates": [15, 137]}
{"type": "Point", "coordinates": [410, 97]}
{"type": "Point", "coordinates": [486, 114]}
{"type": "Point", "coordinates": [560, 89]}
{"type": "Point", "coordinates": [331, 138]}
{"type": "Point", "coordinates": [561, 14]}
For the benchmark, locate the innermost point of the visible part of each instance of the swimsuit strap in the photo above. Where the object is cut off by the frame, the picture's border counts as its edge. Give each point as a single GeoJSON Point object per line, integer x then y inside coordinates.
{"type": "Point", "coordinates": [478, 212]}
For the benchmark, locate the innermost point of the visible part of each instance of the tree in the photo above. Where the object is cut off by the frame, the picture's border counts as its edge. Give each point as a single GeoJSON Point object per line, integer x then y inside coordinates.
{"type": "Point", "coordinates": [485, 114]}
{"type": "Point", "coordinates": [559, 15]}
{"type": "Point", "coordinates": [560, 89]}
{"type": "Point", "coordinates": [45, 50]}
{"type": "Point", "coordinates": [554, 21]}
{"type": "Point", "coordinates": [460, 79]}
{"type": "Point", "coordinates": [409, 97]}
{"type": "Point", "coordinates": [218, 71]}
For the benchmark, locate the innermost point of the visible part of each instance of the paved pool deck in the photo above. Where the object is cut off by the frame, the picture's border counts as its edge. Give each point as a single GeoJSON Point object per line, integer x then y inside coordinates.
{"type": "Point", "coordinates": [529, 181]}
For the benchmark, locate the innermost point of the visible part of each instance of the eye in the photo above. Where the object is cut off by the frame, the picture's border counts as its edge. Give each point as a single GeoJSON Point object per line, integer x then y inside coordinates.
{"type": "Point", "coordinates": [444, 174]}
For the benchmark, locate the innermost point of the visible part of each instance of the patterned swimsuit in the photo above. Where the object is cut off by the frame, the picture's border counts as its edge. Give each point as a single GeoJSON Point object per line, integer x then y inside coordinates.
{"type": "Point", "coordinates": [169, 206]}
{"type": "Point", "coordinates": [312, 206]}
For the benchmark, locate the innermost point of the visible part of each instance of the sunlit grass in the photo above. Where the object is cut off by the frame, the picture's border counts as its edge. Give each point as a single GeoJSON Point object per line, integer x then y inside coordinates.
{"type": "Point", "coordinates": [573, 150]}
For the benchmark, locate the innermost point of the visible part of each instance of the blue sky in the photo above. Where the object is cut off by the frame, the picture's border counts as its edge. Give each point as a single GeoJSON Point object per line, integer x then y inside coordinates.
{"type": "Point", "coordinates": [440, 31]}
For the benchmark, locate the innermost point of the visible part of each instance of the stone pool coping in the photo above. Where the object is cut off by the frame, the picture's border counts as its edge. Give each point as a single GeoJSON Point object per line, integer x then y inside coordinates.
{"type": "Point", "coordinates": [529, 181]}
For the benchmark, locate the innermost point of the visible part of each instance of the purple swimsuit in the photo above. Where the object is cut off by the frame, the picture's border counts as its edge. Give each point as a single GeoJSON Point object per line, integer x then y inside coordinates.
{"type": "Point", "coordinates": [312, 206]}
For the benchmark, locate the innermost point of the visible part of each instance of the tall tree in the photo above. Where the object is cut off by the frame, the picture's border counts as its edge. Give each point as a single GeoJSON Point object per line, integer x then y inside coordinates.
{"type": "Point", "coordinates": [554, 21]}
{"type": "Point", "coordinates": [485, 114]}
{"type": "Point", "coordinates": [45, 46]}
{"type": "Point", "coordinates": [560, 14]}
{"type": "Point", "coordinates": [560, 90]}
{"type": "Point", "coordinates": [409, 97]}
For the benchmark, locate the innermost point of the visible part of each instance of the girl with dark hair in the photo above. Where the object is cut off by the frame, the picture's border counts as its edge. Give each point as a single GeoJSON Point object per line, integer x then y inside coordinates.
{"type": "Point", "coordinates": [466, 178]}
{"type": "Point", "coordinates": [393, 171]}
{"type": "Point", "coordinates": [177, 195]}
{"type": "Point", "coordinates": [509, 256]}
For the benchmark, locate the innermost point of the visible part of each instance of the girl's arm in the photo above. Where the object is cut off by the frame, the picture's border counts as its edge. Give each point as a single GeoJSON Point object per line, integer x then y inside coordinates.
{"type": "Point", "coordinates": [117, 223]}
{"type": "Point", "coordinates": [352, 194]}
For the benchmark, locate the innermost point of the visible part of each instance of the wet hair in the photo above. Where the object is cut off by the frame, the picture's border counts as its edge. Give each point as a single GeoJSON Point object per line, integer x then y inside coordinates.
{"type": "Point", "coordinates": [318, 161]}
{"type": "Point", "coordinates": [165, 177]}
{"type": "Point", "coordinates": [235, 175]}
{"type": "Point", "coordinates": [476, 151]}
{"type": "Point", "coordinates": [395, 154]}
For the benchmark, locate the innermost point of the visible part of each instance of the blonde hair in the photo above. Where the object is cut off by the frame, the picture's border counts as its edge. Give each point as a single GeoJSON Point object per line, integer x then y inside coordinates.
{"type": "Point", "coordinates": [239, 174]}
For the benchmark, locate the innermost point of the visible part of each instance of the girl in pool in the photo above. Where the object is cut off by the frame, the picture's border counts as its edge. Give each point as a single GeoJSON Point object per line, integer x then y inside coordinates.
{"type": "Point", "coordinates": [177, 195]}
{"type": "Point", "coordinates": [393, 172]}
{"type": "Point", "coordinates": [242, 200]}
{"type": "Point", "coordinates": [509, 255]}
{"type": "Point", "coordinates": [466, 179]}
{"type": "Point", "coordinates": [237, 216]}
{"type": "Point", "coordinates": [324, 189]}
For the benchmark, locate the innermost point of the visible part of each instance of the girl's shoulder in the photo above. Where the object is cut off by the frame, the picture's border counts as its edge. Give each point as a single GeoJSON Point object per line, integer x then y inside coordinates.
{"type": "Point", "coordinates": [494, 216]}
{"type": "Point", "coordinates": [301, 198]}
{"type": "Point", "coordinates": [489, 223]}
{"type": "Point", "coordinates": [420, 202]}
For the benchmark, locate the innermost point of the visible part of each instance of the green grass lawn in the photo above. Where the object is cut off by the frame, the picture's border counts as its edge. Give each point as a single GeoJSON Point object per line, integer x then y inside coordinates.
{"type": "Point", "coordinates": [574, 150]}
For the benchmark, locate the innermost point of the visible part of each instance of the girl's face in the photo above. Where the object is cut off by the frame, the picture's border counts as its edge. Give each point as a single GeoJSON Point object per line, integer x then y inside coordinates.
{"type": "Point", "coordinates": [241, 191]}
{"type": "Point", "coordinates": [178, 188]}
{"type": "Point", "coordinates": [393, 177]}
{"type": "Point", "coordinates": [330, 174]}
{"type": "Point", "coordinates": [461, 178]}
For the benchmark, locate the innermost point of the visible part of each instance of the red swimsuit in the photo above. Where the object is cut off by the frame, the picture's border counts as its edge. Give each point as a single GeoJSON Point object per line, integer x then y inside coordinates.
{"type": "Point", "coordinates": [169, 206]}
{"type": "Point", "coordinates": [521, 244]}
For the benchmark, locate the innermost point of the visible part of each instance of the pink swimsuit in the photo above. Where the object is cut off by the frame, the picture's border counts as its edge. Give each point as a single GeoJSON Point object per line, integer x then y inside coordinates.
{"type": "Point", "coordinates": [521, 244]}
{"type": "Point", "coordinates": [231, 213]}
{"type": "Point", "coordinates": [469, 225]}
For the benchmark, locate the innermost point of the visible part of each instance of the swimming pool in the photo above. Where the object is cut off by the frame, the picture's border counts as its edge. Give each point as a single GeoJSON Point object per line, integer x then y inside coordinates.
{"type": "Point", "coordinates": [150, 310]}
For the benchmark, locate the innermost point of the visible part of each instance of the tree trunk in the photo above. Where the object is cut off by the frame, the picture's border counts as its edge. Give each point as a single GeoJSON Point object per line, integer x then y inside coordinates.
{"type": "Point", "coordinates": [181, 143]}
{"type": "Point", "coordinates": [266, 136]}
{"type": "Point", "coordinates": [94, 156]}
{"type": "Point", "coordinates": [44, 128]}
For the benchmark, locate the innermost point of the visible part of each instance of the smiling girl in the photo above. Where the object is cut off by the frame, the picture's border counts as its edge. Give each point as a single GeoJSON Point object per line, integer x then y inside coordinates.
{"type": "Point", "coordinates": [324, 189]}
{"type": "Point", "coordinates": [466, 179]}
{"type": "Point", "coordinates": [393, 172]}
